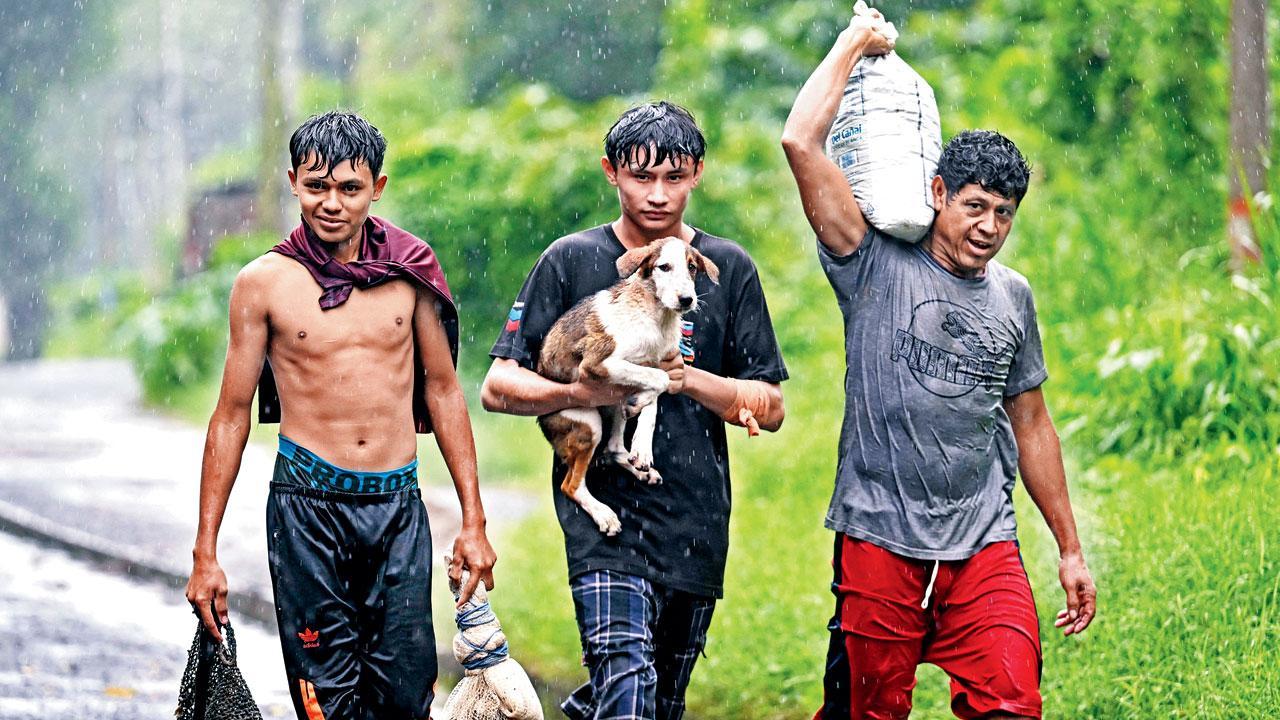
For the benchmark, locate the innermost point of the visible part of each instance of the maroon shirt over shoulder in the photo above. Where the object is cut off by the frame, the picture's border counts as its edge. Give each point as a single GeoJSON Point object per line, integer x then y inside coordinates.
{"type": "Point", "coordinates": [386, 253]}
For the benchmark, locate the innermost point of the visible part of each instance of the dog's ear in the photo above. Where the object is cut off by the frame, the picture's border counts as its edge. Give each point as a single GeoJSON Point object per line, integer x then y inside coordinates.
{"type": "Point", "coordinates": [704, 265]}
{"type": "Point", "coordinates": [637, 259]}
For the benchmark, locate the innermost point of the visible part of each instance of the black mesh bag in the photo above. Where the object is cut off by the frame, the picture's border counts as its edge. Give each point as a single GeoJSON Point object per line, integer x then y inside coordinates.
{"type": "Point", "coordinates": [212, 686]}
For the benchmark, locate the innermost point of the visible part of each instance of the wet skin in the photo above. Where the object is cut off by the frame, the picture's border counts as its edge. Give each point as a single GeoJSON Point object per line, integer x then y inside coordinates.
{"type": "Point", "coordinates": [345, 377]}
{"type": "Point", "coordinates": [970, 228]}
{"type": "Point", "coordinates": [653, 198]}
{"type": "Point", "coordinates": [335, 204]}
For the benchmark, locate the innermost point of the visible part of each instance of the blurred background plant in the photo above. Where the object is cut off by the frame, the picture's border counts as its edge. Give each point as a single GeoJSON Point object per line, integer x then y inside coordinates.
{"type": "Point", "coordinates": [1164, 366]}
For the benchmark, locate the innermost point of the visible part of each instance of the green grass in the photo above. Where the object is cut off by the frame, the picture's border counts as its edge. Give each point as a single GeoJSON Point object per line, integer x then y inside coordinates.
{"type": "Point", "coordinates": [1188, 595]}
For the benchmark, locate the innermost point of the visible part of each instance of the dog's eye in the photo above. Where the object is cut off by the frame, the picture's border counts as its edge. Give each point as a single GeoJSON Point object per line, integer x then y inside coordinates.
{"type": "Point", "coordinates": [665, 267]}
{"type": "Point", "coordinates": [693, 268]}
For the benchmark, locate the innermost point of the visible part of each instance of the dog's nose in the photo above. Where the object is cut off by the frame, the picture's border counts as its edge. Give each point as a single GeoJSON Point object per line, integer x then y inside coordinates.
{"type": "Point", "coordinates": [686, 301]}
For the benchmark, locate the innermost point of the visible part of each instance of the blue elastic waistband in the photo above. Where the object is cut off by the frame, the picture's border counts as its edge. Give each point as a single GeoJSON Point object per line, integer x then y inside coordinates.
{"type": "Point", "coordinates": [305, 468]}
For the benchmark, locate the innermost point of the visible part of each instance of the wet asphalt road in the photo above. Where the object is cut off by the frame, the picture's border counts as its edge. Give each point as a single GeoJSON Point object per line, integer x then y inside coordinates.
{"type": "Point", "coordinates": [82, 641]}
{"type": "Point", "coordinates": [76, 642]}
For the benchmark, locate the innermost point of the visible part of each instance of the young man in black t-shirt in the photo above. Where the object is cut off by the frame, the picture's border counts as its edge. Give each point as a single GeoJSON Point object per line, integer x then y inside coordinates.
{"type": "Point", "coordinates": [644, 597]}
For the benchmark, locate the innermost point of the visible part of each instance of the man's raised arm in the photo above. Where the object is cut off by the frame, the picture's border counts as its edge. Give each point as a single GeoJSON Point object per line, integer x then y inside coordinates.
{"type": "Point", "coordinates": [228, 433]}
{"type": "Point", "coordinates": [828, 202]}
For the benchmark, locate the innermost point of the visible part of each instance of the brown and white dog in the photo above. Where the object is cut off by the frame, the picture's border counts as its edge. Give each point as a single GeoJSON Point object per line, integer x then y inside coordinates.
{"type": "Point", "coordinates": [619, 335]}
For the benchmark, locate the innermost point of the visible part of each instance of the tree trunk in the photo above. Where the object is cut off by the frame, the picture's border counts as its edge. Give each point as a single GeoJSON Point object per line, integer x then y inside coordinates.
{"type": "Point", "coordinates": [26, 319]}
{"type": "Point", "coordinates": [273, 123]}
{"type": "Point", "coordinates": [172, 82]}
{"type": "Point", "coordinates": [171, 122]}
{"type": "Point", "coordinates": [1250, 124]}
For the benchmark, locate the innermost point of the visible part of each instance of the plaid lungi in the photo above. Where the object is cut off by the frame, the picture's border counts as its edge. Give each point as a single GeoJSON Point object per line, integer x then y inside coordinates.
{"type": "Point", "coordinates": [640, 641]}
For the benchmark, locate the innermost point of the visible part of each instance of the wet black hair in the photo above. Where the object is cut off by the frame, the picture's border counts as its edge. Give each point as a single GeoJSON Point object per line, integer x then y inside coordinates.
{"type": "Point", "coordinates": [987, 158]}
{"type": "Point", "coordinates": [648, 134]}
{"type": "Point", "coordinates": [335, 137]}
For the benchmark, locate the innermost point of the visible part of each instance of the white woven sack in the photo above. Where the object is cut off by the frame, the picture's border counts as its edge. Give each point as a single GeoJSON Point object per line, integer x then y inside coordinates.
{"type": "Point", "coordinates": [500, 691]}
{"type": "Point", "coordinates": [886, 139]}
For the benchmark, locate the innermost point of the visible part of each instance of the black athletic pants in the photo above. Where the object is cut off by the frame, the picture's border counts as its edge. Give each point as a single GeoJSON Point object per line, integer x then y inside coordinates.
{"type": "Point", "coordinates": [352, 580]}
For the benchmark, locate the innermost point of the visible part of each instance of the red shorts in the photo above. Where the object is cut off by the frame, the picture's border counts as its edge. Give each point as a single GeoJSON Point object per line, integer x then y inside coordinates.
{"type": "Point", "coordinates": [980, 627]}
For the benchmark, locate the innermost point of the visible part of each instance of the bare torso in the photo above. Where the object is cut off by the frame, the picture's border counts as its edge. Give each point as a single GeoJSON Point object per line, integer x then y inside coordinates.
{"type": "Point", "coordinates": [345, 375]}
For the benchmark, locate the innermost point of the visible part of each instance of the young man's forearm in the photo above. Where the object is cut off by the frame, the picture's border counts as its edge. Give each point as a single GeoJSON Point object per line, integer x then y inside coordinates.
{"type": "Point", "coordinates": [718, 394]}
{"type": "Point", "coordinates": [223, 448]}
{"type": "Point", "coordinates": [471, 549]}
{"type": "Point", "coordinates": [447, 404]}
{"type": "Point", "coordinates": [817, 102]}
{"type": "Point", "coordinates": [515, 390]}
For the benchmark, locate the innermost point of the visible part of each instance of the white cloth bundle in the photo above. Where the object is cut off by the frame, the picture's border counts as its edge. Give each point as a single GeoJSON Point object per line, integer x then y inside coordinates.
{"type": "Point", "coordinates": [494, 687]}
{"type": "Point", "coordinates": [887, 138]}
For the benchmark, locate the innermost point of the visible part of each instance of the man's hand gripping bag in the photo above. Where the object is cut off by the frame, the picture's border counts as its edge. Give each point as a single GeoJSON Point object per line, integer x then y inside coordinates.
{"type": "Point", "coordinates": [493, 686]}
{"type": "Point", "coordinates": [887, 138]}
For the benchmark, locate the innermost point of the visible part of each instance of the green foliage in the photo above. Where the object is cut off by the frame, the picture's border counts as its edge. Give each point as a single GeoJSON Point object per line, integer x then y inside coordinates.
{"type": "Point", "coordinates": [489, 189]}
{"type": "Point", "coordinates": [235, 251]}
{"type": "Point", "coordinates": [585, 50]}
{"type": "Point", "coordinates": [229, 166]}
{"type": "Point", "coordinates": [89, 314]}
{"type": "Point", "coordinates": [1194, 369]}
{"type": "Point", "coordinates": [178, 341]}
{"type": "Point", "coordinates": [743, 60]}
{"type": "Point", "coordinates": [1119, 99]}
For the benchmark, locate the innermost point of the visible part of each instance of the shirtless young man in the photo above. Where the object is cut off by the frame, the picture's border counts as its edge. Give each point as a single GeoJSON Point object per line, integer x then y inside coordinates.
{"type": "Point", "coordinates": [350, 548]}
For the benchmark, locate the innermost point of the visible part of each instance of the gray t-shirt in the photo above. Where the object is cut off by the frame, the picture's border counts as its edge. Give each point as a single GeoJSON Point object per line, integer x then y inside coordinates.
{"type": "Point", "coordinates": [927, 455]}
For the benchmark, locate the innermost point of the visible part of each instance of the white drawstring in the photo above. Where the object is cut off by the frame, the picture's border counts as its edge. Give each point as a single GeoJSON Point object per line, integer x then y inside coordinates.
{"type": "Point", "coordinates": [924, 604]}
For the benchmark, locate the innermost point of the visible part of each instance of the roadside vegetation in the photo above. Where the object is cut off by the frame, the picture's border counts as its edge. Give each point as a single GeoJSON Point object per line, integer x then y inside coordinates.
{"type": "Point", "coordinates": [1164, 369]}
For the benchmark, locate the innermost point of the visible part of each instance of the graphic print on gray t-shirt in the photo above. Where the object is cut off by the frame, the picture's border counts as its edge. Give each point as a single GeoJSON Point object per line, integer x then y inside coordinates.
{"type": "Point", "coordinates": [927, 346]}
{"type": "Point", "coordinates": [927, 456]}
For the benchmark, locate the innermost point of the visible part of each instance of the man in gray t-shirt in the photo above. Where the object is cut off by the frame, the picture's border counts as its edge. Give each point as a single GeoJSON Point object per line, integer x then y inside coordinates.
{"type": "Point", "coordinates": [928, 457]}
{"type": "Point", "coordinates": [943, 409]}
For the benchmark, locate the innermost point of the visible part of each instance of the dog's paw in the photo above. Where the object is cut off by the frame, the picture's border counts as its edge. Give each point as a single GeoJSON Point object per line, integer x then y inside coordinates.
{"type": "Point", "coordinates": [640, 461]}
{"type": "Point", "coordinates": [626, 464]}
{"type": "Point", "coordinates": [608, 522]}
{"type": "Point", "coordinates": [633, 406]}
{"type": "Point", "coordinates": [648, 474]}
{"type": "Point", "coordinates": [641, 465]}
{"type": "Point", "coordinates": [658, 382]}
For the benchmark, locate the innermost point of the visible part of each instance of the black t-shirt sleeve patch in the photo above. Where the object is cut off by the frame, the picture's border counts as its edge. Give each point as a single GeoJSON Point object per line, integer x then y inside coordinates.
{"type": "Point", "coordinates": [538, 305]}
{"type": "Point", "coordinates": [751, 348]}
